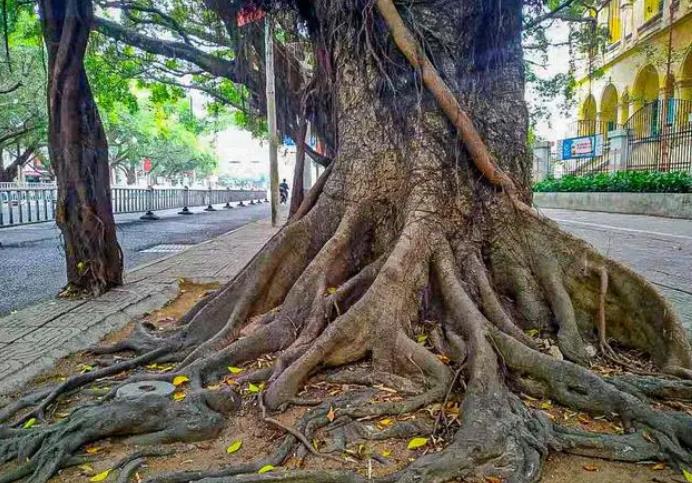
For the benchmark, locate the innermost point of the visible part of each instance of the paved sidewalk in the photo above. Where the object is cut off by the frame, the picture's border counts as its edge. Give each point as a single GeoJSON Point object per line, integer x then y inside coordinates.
{"type": "Point", "coordinates": [32, 339]}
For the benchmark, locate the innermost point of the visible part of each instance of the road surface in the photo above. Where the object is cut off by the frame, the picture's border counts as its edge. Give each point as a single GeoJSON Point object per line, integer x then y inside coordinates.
{"type": "Point", "coordinates": [32, 265]}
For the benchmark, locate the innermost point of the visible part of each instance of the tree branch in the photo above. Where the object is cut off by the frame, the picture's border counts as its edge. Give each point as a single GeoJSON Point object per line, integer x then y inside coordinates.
{"type": "Point", "coordinates": [552, 14]}
{"type": "Point", "coordinates": [176, 50]}
{"type": "Point", "coordinates": [11, 88]}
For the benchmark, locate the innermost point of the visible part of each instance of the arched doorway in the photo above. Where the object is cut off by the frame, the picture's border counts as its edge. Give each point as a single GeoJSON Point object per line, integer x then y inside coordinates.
{"type": "Point", "coordinates": [685, 82]}
{"type": "Point", "coordinates": [587, 117]}
{"type": "Point", "coordinates": [609, 109]}
{"type": "Point", "coordinates": [624, 106]}
{"type": "Point", "coordinates": [646, 86]}
{"type": "Point", "coordinates": [645, 91]}
{"type": "Point", "coordinates": [684, 91]}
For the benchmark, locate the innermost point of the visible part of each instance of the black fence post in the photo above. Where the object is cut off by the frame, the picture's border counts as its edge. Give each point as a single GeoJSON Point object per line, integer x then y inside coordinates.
{"type": "Point", "coordinates": [186, 202]}
{"type": "Point", "coordinates": [149, 215]}
{"type": "Point", "coordinates": [228, 199]}
{"type": "Point", "coordinates": [209, 206]}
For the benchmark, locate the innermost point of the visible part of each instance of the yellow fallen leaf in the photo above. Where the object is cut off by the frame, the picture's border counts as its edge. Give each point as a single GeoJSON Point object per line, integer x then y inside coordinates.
{"type": "Point", "coordinates": [386, 453]}
{"type": "Point", "coordinates": [86, 468]}
{"type": "Point", "coordinates": [92, 449]}
{"type": "Point", "coordinates": [179, 395]}
{"type": "Point", "coordinates": [416, 443]}
{"type": "Point", "coordinates": [531, 332]}
{"type": "Point", "coordinates": [253, 388]}
{"type": "Point", "coordinates": [29, 423]}
{"type": "Point", "coordinates": [179, 380]}
{"type": "Point", "coordinates": [331, 290]}
{"type": "Point", "coordinates": [687, 475]}
{"type": "Point", "coordinates": [422, 338]}
{"type": "Point", "coordinates": [235, 446]}
{"type": "Point", "coordinates": [546, 405]}
{"type": "Point", "coordinates": [331, 414]}
{"type": "Point", "coordinates": [235, 370]}
{"type": "Point", "coordinates": [101, 476]}
{"type": "Point", "coordinates": [87, 368]}
{"type": "Point", "coordinates": [384, 423]}
{"type": "Point", "coordinates": [265, 469]}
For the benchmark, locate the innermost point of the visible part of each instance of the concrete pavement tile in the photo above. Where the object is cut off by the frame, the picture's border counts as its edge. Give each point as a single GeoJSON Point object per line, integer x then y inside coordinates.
{"type": "Point", "coordinates": [11, 334]}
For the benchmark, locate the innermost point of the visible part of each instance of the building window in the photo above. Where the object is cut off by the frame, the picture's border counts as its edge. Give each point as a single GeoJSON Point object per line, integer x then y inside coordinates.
{"type": "Point", "coordinates": [652, 8]}
{"type": "Point", "coordinates": [614, 24]}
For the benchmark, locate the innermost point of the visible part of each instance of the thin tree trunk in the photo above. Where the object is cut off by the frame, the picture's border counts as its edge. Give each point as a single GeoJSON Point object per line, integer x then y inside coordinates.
{"type": "Point", "coordinates": [298, 188]}
{"type": "Point", "coordinates": [79, 152]}
{"type": "Point", "coordinates": [10, 172]}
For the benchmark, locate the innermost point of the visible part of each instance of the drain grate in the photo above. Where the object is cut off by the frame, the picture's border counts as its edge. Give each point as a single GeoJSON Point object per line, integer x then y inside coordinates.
{"type": "Point", "coordinates": [164, 248]}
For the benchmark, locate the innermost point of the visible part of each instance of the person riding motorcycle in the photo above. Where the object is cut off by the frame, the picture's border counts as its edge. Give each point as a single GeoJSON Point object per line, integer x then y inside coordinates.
{"type": "Point", "coordinates": [283, 191]}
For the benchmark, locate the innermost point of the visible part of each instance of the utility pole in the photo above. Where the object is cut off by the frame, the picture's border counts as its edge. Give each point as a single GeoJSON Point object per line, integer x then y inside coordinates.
{"type": "Point", "coordinates": [271, 116]}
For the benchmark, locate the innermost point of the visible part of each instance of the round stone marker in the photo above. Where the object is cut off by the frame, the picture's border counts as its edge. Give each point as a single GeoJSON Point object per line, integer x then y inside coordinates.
{"type": "Point", "coordinates": [139, 389]}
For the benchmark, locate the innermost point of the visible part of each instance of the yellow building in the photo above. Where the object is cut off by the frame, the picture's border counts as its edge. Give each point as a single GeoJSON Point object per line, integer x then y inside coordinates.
{"type": "Point", "coordinates": [632, 71]}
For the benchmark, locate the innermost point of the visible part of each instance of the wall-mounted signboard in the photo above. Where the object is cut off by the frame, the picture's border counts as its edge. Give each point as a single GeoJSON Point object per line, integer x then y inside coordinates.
{"type": "Point", "coordinates": [581, 147]}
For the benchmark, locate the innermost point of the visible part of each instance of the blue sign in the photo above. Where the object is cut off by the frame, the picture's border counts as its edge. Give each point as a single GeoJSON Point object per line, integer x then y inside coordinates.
{"type": "Point", "coordinates": [288, 141]}
{"type": "Point", "coordinates": [581, 147]}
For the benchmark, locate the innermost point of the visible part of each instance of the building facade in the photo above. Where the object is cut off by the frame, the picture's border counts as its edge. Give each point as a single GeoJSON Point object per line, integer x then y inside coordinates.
{"type": "Point", "coordinates": [634, 71]}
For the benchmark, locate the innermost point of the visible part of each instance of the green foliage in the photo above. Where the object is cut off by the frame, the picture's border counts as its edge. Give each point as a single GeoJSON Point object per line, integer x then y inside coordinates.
{"type": "Point", "coordinates": [167, 133]}
{"type": "Point", "coordinates": [622, 181]}
{"type": "Point", "coordinates": [146, 119]}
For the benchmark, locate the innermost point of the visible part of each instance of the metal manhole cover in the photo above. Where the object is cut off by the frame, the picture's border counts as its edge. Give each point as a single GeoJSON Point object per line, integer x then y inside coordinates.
{"type": "Point", "coordinates": [165, 248]}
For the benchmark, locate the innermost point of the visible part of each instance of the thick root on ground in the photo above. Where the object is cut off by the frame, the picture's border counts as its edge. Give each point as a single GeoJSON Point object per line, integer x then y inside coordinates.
{"type": "Point", "coordinates": [149, 419]}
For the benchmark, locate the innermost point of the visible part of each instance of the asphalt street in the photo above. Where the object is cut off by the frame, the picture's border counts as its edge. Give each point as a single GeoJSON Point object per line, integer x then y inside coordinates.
{"type": "Point", "coordinates": [32, 265]}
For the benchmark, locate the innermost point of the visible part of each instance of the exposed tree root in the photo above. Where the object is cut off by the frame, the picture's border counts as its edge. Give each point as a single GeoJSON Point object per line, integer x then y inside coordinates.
{"type": "Point", "coordinates": [150, 419]}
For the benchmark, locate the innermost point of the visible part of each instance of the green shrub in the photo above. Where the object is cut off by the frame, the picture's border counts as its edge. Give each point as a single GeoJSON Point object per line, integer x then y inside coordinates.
{"type": "Point", "coordinates": [622, 182]}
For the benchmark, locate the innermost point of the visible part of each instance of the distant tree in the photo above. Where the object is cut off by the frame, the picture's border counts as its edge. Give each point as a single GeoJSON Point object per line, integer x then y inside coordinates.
{"type": "Point", "coordinates": [167, 133]}
{"type": "Point", "coordinates": [23, 117]}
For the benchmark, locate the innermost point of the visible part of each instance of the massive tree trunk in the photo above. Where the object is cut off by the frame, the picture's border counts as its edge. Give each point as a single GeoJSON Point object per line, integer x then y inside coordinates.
{"type": "Point", "coordinates": [79, 152]}
{"type": "Point", "coordinates": [411, 232]}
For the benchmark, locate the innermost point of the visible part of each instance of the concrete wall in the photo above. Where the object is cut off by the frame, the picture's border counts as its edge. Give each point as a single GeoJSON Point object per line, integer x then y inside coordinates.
{"type": "Point", "coordinates": [671, 205]}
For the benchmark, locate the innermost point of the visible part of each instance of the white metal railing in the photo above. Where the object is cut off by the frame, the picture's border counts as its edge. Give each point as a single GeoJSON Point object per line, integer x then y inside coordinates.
{"type": "Point", "coordinates": [24, 203]}
{"type": "Point", "coordinates": [5, 185]}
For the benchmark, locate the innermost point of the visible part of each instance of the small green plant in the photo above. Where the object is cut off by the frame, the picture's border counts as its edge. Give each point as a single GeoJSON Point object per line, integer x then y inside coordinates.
{"type": "Point", "coordinates": [622, 182]}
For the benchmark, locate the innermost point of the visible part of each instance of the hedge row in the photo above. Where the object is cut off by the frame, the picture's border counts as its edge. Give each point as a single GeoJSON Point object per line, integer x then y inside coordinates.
{"type": "Point", "coordinates": [622, 181]}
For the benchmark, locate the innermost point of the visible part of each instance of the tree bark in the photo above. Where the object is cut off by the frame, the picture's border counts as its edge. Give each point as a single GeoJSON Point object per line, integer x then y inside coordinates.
{"type": "Point", "coordinates": [79, 152]}
{"type": "Point", "coordinates": [298, 193]}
